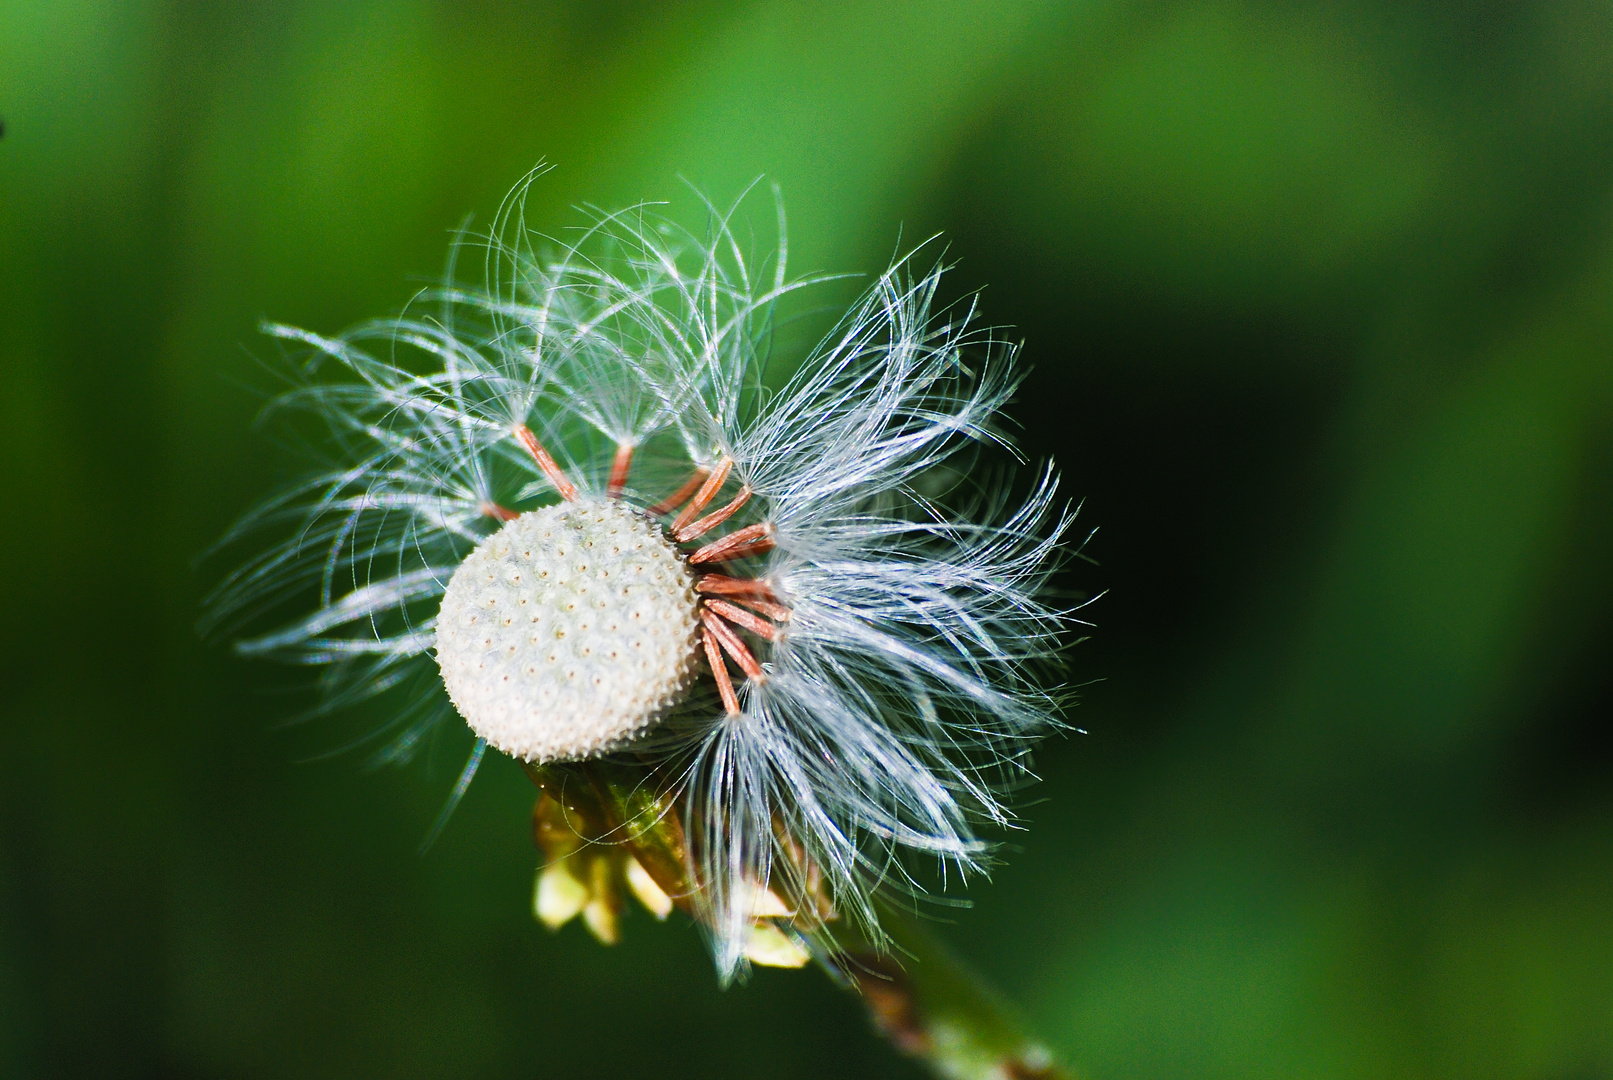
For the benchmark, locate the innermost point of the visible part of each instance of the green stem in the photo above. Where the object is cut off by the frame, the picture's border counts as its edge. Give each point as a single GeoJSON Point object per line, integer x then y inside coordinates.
{"type": "Point", "coordinates": [934, 1007]}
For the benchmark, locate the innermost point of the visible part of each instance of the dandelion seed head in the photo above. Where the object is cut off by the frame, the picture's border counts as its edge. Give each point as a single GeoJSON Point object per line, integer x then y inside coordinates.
{"type": "Point", "coordinates": [784, 589]}
{"type": "Point", "coordinates": [570, 631]}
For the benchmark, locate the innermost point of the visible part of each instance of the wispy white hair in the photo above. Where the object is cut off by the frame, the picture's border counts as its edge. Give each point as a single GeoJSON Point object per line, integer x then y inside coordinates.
{"type": "Point", "coordinates": [901, 703]}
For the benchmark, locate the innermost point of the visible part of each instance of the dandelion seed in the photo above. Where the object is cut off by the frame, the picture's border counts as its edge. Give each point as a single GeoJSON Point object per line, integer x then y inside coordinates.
{"type": "Point", "coordinates": [571, 494]}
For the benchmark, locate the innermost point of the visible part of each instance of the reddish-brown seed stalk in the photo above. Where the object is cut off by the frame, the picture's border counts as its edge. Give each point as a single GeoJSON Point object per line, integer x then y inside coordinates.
{"type": "Point", "coordinates": [732, 645]}
{"type": "Point", "coordinates": [497, 512]}
{"type": "Point", "coordinates": [723, 585]}
{"type": "Point", "coordinates": [566, 488]}
{"type": "Point", "coordinates": [707, 492]}
{"type": "Point", "coordinates": [751, 540]}
{"type": "Point", "coordinates": [713, 519]}
{"type": "Point", "coordinates": [754, 594]}
{"type": "Point", "coordinates": [618, 471]}
{"type": "Point", "coordinates": [676, 499]}
{"type": "Point", "coordinates": [776, 612]}
{"type": "Point", "coordinates": [740, 617]}
{"type": "Point", "coordinates": [719, 671]}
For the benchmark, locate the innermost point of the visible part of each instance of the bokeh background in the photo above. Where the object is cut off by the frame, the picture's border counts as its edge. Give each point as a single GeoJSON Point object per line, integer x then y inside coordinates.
{"type": "Point", "coordinates": [1319, 300]}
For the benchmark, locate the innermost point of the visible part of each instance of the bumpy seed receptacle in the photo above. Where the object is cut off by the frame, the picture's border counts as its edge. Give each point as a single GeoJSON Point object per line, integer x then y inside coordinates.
{"type": "Point", "coordinates": [570, 631]}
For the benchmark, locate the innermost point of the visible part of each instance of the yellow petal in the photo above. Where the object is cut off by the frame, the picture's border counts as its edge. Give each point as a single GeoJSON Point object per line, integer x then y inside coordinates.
{"type": "Point", "coordinates": [558, 895]}
{"type": "Point", "coordinates": [765, 903]}
{"type": "Point", "coordinates": [648, 892]}
{"type": "Point", "coordinates": [771, 947]}
{"type": "Point", "coordinates": [600, 918]}
{"type": "Point", "coordinates": [600, 914]}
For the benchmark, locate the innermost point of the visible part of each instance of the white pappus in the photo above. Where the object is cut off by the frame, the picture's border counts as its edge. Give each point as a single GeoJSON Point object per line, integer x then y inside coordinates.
{"type": "Point", "coordinates": [573, 495]}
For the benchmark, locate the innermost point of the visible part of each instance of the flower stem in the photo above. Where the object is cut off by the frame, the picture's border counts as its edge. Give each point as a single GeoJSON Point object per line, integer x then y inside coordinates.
{"type": "Point", "coordinates": [934, 1007]}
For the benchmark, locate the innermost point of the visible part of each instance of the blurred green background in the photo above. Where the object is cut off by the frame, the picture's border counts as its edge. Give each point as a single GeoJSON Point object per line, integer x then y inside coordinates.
{"type": "Point", "coordinates": [1319, 299]}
